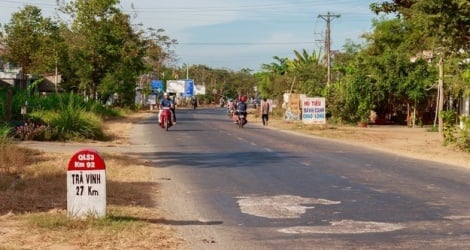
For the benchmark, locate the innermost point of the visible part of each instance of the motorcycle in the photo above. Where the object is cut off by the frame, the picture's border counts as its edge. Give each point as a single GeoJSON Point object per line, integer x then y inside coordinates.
{"type": "Point", "coordinates": [241, 121]}
{"type": "Point", "coordinates": [165, 118]}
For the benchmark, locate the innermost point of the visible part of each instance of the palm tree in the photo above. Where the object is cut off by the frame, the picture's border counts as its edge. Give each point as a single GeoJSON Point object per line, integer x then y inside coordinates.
{"type": "Point", "coordinates": [278, 68]}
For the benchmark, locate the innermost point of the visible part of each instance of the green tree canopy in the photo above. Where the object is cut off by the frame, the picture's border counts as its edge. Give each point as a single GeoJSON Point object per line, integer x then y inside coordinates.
{"type": "Point", "coordinates": [32, 41]}
{"type": "Point", "coordinates": [101, 45]}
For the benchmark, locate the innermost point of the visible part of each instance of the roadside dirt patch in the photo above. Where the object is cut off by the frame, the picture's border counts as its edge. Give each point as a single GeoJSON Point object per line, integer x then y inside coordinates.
{"type": "Point", "coordinates": [418, 143]}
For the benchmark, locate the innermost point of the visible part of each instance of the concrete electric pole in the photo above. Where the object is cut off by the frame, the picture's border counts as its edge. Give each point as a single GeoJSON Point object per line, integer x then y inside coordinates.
{"type": "Point", "coordinates": [328, 17]}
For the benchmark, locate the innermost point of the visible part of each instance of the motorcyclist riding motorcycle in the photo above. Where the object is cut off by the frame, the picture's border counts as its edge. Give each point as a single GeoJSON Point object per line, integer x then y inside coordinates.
{"type": "Point", "coordinates": [166, 103]}
{"type": "Point", "coordinates": [241, 109]}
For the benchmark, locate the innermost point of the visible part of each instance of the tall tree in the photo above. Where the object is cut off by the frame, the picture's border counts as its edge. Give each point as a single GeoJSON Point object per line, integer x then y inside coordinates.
{"type": "Point", "coordinates": [341, 104]}
{"type": "Point", "coordinates": [31, 40]}
{"type": "Point", "coordinates": [159, 50]}
{"type": "Point", "coordinates": [445, 22]}
{"type": "Point", "coordinates": [273, 81]}
{"type": "Point", "coordinates": [123, 72]}
{"type": "Point", "coordinates": [280, 66]}
{"type": "Point", "coordinates": [379, 75]}
{"type": "Point", "coordinates": [99, 33]}
{"type": "Point", "coordinates": [309, 72]}
{"type": "Point", "coordinates": [397, 79]}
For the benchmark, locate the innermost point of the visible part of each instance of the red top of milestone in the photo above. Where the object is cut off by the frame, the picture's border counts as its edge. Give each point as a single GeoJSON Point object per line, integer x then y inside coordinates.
{"type": "Point", "coordinates": [86, 159]}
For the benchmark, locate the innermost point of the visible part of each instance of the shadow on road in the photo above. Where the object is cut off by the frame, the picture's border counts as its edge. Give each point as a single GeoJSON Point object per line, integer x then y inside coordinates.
{"type": "Point", "coordinates": [215, 160]}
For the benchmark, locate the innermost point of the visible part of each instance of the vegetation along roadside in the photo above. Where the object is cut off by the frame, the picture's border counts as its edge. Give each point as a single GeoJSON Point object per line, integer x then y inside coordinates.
{"type": "Point", "coordinates": [33, 202]}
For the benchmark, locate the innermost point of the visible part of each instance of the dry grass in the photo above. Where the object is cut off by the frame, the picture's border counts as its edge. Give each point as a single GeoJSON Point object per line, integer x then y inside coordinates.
{"type": "Point", "coordinates": [33, 209]}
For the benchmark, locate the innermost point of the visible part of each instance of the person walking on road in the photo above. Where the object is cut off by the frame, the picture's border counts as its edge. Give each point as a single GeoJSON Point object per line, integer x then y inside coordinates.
{"type": "Point", "coordinates": [264, 111]}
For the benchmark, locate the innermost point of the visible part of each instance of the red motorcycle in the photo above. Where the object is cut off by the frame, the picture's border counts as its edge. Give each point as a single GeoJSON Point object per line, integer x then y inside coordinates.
{"type": "Point", "coordinates": [165, 118]}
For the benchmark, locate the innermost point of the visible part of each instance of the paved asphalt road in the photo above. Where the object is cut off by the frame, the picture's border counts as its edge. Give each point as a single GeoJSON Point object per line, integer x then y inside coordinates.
{"type": "Point", "coordinates": [259, 188]}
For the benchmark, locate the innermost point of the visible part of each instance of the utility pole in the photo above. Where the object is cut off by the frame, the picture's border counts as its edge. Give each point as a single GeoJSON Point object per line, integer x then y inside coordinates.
{"type": "Point", "coordinates": [56, 73]}
{"type": "Point", "coordinates": [328, 17]}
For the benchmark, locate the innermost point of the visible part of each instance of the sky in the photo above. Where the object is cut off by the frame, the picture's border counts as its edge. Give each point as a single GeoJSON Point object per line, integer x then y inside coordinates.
{"type": "Point", "coordinates": [238, 34]}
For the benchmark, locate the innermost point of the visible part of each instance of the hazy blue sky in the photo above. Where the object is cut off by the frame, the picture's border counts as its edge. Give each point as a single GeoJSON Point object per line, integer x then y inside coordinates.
{"type": "Point", "coordinates": [237, 34]}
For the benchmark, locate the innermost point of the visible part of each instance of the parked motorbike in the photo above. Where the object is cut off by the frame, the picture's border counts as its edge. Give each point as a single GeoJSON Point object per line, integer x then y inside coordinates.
{"type": "Point", "coordinates": [165, 118]}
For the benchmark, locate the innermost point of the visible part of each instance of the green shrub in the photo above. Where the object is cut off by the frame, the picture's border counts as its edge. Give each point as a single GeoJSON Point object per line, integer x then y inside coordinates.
{"type": "Point", "coordinates": [62, 116]}
{"type": "Point", "coordinates": [5, 136]}
{"type": "Point", "coordinates": [463, 141]}
{"type": "Point", "coordinates": [106, 112]}
{"type": "Point", "coordinates": [78, 124]}
{"type": "Point", "coordinates": [278, 112]}
{"type": "Point", "coordinates": [70, 121]}
{"type": "Point", "coordinates": [433, 129]}
{"type": "Point", "coordinates": [448, 118]}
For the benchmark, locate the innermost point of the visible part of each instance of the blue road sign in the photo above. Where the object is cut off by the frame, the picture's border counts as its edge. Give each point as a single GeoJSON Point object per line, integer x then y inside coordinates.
{"type": "Point", "coordinates": [189, 88]}
{"type": "Point", "coordinates": [156, 85]}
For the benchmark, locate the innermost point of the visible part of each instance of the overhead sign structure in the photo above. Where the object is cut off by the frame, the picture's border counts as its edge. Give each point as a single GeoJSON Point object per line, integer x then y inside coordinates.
{"type": "Point", "coordinates": [175, 86]}
{"type": "Point", "coordinates": [313, 110]}
{"type": "Point", "coordinates": [185, 87]}
{"type": "Point", "coordinates": [86, 185]}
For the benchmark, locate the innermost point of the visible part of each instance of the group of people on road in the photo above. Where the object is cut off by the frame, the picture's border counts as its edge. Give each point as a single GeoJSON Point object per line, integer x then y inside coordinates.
{"type": "Point", "coordinates": [239, 106]}
{"type": "Point", "coordinates": [235, 107]}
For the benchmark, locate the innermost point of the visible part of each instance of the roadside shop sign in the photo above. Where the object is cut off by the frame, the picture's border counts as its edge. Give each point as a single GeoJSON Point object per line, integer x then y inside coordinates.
{"type": "Point", "coordinates": [313, 110]}
{"type": "Point", "coordinates": [294, 104]}
{"type": "Point", "coordinates": [86, 185]}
